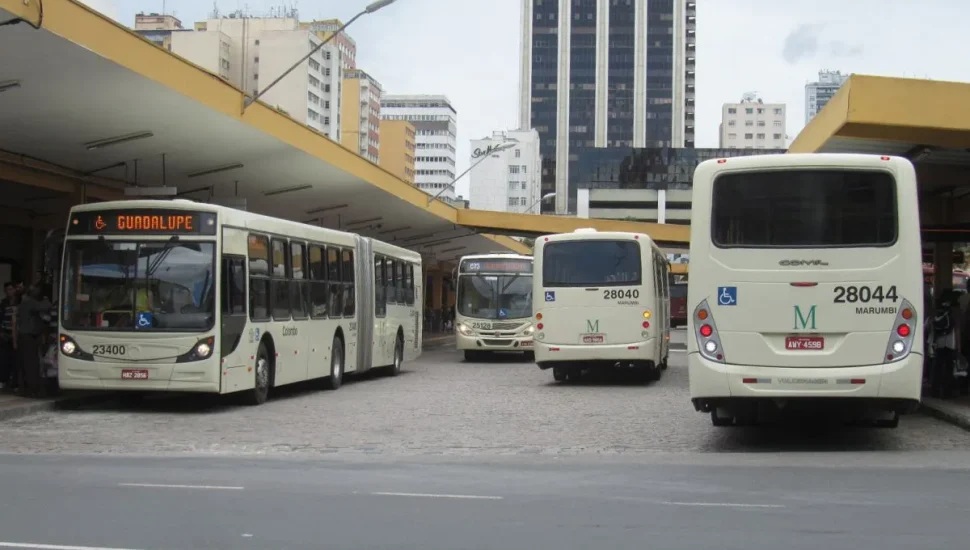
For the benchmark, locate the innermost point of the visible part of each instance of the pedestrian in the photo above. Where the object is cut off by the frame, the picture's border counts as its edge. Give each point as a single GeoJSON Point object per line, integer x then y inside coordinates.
{"type": "Point", "coordinates": [31, 323]}
{"type": "Point", "coordinates": [8, 357]}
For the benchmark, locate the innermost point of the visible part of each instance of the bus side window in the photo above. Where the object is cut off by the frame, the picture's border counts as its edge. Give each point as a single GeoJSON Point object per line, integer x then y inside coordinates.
{"type": "Point", "coordinates": [393, 296]}
{"type": "Point", "coordinates": [399, 282]}
{"type": "Point", "coordinates": [333, 276]}
{"type": "Point", "coordinates": [259, 277]}
{"type": "Point", "coordinates": [280, 286]}
{"type": "Point", "coordinates": [380, 292]}
{"type": "Point", "coordinates": [298, 284]}
{"type": "Point", "coordinates": [348, 283]}
{"type": "Point", "coordinates": [233, 285]}
{"type": "Point", "coordinates": [318, 282]}
{"type": "Point", "coordinates": [409, 283]}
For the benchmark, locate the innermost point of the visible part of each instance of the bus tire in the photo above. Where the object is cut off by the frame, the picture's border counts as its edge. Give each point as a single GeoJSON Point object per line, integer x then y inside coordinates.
{"type": "Point", "coordinates": [560, 374]}
{"type": "Point", "coordinates": [663, 366]}
{"type": "Point", "coordinates": [336, 378]}
{"type": "Point", "coordinates": [262, 374]}
{"type": "Point", "coordinates": [395, 368]}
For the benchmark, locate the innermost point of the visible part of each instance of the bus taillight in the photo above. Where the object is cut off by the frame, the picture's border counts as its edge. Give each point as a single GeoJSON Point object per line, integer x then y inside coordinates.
{"type": "Point", "coordinates": [708, 341]}
{"type": "Point", "coordinates": [903, 330]}
{"type": "Point", "coordinates": [706, 331]}
{"type": "Point", "coordinates": [901, 339]}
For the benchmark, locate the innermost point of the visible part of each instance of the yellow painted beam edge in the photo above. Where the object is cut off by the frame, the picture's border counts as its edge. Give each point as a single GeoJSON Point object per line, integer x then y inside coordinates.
{"type": "Point", "coordinates": [89, 29]}
{"type": "Point", "coordinates": [510, 243]}
{"type": "Point", "coordinates": [555, 224]}
{"type": "Point", "coordinates": [827, 123]}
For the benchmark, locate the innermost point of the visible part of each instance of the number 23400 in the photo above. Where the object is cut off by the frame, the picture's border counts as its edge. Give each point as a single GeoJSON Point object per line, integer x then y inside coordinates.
{"type": "Point", "coordinates": [864, 294]}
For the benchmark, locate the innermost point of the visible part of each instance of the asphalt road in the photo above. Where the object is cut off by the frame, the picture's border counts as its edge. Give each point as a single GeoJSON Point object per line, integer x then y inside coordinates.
{"type": "Point", "coordinates": [214, 503]}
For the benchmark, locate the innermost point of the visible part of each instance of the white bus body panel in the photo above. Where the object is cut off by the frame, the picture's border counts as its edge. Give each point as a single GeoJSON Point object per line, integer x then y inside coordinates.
{"type": "Point", "coordinates": [772, 301]}
{"type": "Point", "coordinates": [574, 318]}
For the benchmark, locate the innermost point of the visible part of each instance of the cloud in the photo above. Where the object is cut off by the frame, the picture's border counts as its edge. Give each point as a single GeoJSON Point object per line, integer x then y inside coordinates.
{"type": "Point", "coordinates": [801, 43]}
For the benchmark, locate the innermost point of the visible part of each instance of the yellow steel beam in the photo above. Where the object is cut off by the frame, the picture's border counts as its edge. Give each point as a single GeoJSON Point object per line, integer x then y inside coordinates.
{"type": "Point", "coordinates": [679, 269]}
{"type": "Point", "coordinates": [906, 110]}
{"type": "Point", "coordinates": [532, 225]}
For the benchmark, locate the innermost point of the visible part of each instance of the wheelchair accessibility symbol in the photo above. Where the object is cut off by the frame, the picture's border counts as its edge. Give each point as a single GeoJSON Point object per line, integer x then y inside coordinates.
{"type": "Point", "coordinates": [144, 320]}
{"type": "Point", "coordinates": [727, 295]}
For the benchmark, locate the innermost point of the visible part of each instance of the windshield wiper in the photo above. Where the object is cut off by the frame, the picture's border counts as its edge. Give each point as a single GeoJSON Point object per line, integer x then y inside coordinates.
{"type": "Point", "coordinates": [169, 245]}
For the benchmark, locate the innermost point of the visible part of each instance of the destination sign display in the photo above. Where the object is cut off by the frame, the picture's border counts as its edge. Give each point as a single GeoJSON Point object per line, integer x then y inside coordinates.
{"type": "Point", "coordinates": [142, 222]}
{"type": "Point", "coordinates": [496, 266]}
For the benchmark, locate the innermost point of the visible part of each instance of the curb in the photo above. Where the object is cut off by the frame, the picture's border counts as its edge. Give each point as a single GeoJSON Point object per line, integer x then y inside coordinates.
{"type": "Point", "coordinates": [933, 409]}
{"type": "Point", "coordinates": [64, 402]}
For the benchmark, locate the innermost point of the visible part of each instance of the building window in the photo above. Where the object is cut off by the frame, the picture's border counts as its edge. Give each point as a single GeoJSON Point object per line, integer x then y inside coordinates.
{"type": "Point", "coordinates": [326, 121]}
{"type": "Point", "coordinates": [749, 110]}
{"type": "Point", "coordinates": [513, 169]}
{"type": "Point", "coordinates": [748, 136]}
{"type": "Point", "coordinates": [518, 153]}
{"type": "Point", "coordinates": [732, 123]}
{"type": "Point", "coordinates": [761, 123]}
{"type": "Point", "coordinates": [732, 136]}
{"type": "Point", "coordinates": [761, 136]}
{"type": "Point", "coordinates": [732, 111]}
{"type": "Point", "coordinates": [749, 123]}
{"type": "Point", "coordinates": [513, 201]}
{"type": "Point", "coordinates": [776, 136]}
{"type": "Point", "coordinates": [777, 111]}
{"type": "Point", "coordinates": [777, 123]}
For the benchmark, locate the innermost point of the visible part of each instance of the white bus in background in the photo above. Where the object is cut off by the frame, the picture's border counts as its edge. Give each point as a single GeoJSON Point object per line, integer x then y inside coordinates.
{"type": "Point", "coordinates": [602, 300]}
{"type": "Point", "coordinates": [494, 304]}
{"type": "Point", "coordinates": [805, 285]}
{"type": "Point", "coordinates": [182, 296]}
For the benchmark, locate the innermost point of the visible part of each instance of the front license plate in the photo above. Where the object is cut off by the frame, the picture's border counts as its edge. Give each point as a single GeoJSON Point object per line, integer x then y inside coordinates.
{"type": "Point", "coordinates": [134, 374]}
{"type": "Point", "coordinates": [802, 343]}
{"type": "Point", "coordinates": [526, 343]}
{"type": "Point", "coordinates": [593, 339]}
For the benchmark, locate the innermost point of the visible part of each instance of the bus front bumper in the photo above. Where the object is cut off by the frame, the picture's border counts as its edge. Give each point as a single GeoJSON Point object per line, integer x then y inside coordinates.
{"type": "Point", "coordinates": [493, 343]}
{"type": "Point", "coordinates": [196, 376]}
{"type": "Point", "coordinates": [548, 354]}
{"type": "Point", "coordinates": [711, 381]}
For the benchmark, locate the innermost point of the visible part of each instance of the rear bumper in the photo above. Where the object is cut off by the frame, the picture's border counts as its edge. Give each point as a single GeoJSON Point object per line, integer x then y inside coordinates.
{"type": "Point", "coordinates": [493, 343]}
{"type": "Point", "coordinates": [899, 381]}
{"type": "Point", "coordinates": [634, 351]}
{"type": "Point", "coordinates": [197, 376]}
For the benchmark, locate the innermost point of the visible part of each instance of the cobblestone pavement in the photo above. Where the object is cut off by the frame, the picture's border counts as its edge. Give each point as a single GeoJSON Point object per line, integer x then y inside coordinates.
{"type": "Point", "coordinates": [443, 406]}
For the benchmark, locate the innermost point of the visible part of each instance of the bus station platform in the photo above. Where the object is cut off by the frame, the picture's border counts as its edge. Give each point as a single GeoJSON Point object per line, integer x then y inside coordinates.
{"type": "Point", "coordinates": [92, 111]}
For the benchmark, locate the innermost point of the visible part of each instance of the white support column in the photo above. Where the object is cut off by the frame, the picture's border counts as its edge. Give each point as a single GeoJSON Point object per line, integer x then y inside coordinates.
{"type": "Point", "coordinates": [662, 206]}
{"type": "Point", "coordinates": [602, 71]}
{"type": "Point", "coordinates": [562, 108]}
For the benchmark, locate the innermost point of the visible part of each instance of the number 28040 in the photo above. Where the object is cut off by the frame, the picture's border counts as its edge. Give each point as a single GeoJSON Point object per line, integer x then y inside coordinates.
{"type": "Point", "coordinates": [864, 294]}
{"type": "Point", "coordinates": [619, 294]}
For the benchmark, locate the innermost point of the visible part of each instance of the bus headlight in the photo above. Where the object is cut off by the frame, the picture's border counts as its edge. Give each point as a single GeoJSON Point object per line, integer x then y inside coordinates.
{"type": "Point", "coordinates": [68, 347]}
{"type": "Point", "coordinates": [529, 331]}
{"type": "Point", "coordinates": [203, 350]}
{"type": "Point", "coordinates": [464, 330]}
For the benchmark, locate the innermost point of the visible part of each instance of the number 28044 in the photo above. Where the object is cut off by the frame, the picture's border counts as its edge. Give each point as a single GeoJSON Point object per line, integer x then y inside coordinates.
{"type": "Point", "coordinates": [864, 294]}
{"type": "Point", "coordinates": [619, 294]}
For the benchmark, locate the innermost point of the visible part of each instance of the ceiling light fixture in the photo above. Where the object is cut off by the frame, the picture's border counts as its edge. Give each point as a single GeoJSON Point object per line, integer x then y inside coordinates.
{"type": "Point", "coordinates": [287, 190]}
{"type": "Point", "coordinates": [327, 209]}
{"type": "Point", "coordinates": [108, 142]}
{"type": "Point", "coordinates": [396, 230]}
{"type": "Point", "coordinates": [450, 249]}
{"type": "Point", "coordinates": [216, 170]}
{"type": "Point", "coordinates": [362, 222]}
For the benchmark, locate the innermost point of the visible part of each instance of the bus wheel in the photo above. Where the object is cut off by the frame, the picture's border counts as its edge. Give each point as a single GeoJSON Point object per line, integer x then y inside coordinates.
{"type": "Point", "coordinates": [260, 391]}
{"type": "Point", "coordinates": [663, 366]}
{"type": "Point", "coordinates": [336, 377]}
{"type": "Point", "coordinates": [721, 421]}
{"type": "Point", "coordinates": [559, 374]}
{"type": "Point", "coordinates": [398, 357]}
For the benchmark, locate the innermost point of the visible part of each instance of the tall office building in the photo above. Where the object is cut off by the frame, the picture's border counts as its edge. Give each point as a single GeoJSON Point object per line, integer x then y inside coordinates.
{"type": "Point", "coordinates": [605, 73]}
{"type": "Point", "coordinates": [436, 125]}
{"type": "Point", "coordinates": [361, 114]}
{"type": "Point", "coordinates": [753, 124]}
{"type": "Point", "coordinates": [818, 93]}
{"type": "Point", "coordinates": [397, 148]}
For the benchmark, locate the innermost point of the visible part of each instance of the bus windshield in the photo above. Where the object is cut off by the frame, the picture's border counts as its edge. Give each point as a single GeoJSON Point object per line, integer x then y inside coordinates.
{"type": "Point", "coordinates": [804, 209]}
{"type": "Point", "coordinates": [591, 263]}
{"type": "Point", "coordinates": [506, 296]}
{"type": "Point", "coordinates": [148, 285]}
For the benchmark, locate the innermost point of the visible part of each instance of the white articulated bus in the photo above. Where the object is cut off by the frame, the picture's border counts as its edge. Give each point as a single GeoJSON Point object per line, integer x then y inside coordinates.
{"type": "Point", "coordinates": [602, 300]}
{"type": "Point", "coordinates": [182, 296]}
{"type": "Point", "coordinates": [494, 304]}
{"type": "Point", "coordinates": [805, 287]}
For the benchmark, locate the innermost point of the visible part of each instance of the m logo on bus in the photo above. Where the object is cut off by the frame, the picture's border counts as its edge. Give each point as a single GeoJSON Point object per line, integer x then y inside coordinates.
{"type": "Point", "coordinates": [802, 322]}
{"type": "Point", "coordinates": [592, 326]}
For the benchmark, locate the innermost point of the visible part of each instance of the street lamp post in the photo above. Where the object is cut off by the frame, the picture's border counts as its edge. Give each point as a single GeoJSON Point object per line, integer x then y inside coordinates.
{"type": "Point", "coordinates": [544, 198]}
{"type": "Point", "coordinates": [500, 147]}
{"type": "Point", "coordinates": [371, 8]}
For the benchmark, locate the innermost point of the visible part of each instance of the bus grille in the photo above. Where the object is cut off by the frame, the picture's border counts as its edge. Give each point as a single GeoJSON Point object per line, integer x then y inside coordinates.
{"type": "Point", "coordinates": [495, 342]}
{"type": "Point", "coordinates": [505, 326]}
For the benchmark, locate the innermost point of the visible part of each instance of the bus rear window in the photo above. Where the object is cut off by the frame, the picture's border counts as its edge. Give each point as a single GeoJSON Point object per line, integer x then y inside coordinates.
{"type": "Point", "coordinates": [804, 209]}
{"type": "Point", "coordinates": [591, 263]}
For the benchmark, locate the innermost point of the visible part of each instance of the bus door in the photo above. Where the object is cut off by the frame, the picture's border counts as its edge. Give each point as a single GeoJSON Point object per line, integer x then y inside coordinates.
{"type": "Point", "coordinates": [804, 267]}
{"type": "Point", "coordinates": [595, 292]}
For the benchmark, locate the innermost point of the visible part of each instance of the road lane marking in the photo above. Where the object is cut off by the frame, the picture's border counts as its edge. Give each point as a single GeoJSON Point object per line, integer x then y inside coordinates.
{"type": "Point", "coordinates": [725, 504]}
{"type": "Point", "coordinates": [37, 546]}
{"type": "Point", "coordinates": [165, 486]}
{"type": "Point", "coordinates": [437, 495]}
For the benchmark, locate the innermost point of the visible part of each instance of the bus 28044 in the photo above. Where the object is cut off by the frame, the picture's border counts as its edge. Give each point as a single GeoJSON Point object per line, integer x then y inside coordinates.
{"type": "Point", "coordinates": [602, 300]}
{"type": "Point", "coordinates": [805, 288]}
{"type": "Point", "coordinates": [182, 296]}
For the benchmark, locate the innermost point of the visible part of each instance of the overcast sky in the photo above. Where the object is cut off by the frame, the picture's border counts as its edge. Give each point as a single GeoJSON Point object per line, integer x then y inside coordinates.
{"type": "Point", "coordinates": [468, 50]}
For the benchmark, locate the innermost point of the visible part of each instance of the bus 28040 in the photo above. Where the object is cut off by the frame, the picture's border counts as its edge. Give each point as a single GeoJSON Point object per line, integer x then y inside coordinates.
{"type": "Point", "coordinates": [183, 296]}
{"type": "Point", "coordinates": [602, 300]}
{"type": "Point", "coordinates": [494, 304]}
{"type": "Point", "coordinates": [805, 288]}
